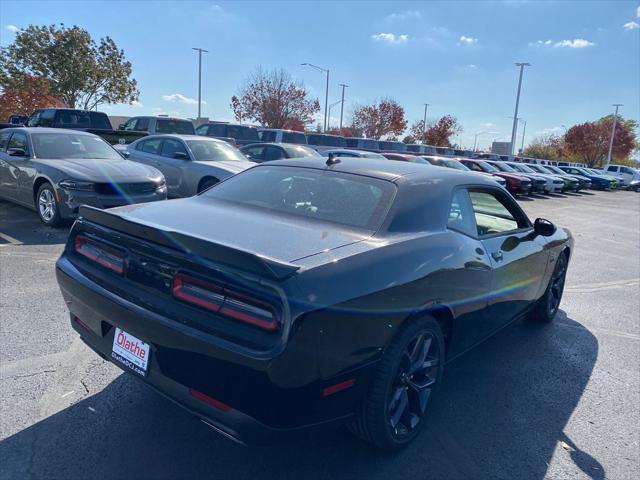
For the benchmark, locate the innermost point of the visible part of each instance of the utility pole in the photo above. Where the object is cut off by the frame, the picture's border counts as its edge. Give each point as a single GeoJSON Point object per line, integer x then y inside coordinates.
{"type": "Point", "coordinates": [515, 115]}
{"type": "Point", "coordinates": [326, 92]}
{"type": "Point", "coordinates": [524, 129]}
{"type": "Point", "coordinates": [613, 133]}
{"type": "Point", "coordinates": [342, 104]}
{"type": "Point", "coordinates": [424, 122]}
{"type": "Point", "coordinates": [200, 50]}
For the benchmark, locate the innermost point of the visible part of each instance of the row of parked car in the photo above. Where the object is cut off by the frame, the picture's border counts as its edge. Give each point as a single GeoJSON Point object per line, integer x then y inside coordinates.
{"type": "Point", "coordinates": [56, 170]}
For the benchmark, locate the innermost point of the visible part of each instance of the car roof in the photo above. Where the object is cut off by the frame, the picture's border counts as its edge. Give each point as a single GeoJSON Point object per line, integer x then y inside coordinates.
{"type": "Point", "coordinates": [405, 172]}
{"type": "Point", "coordinates": [62, 131]}
{"type": "Point", "coordinates": [181, 136]}
{"type": "Point", "coordinates": [275, 144]}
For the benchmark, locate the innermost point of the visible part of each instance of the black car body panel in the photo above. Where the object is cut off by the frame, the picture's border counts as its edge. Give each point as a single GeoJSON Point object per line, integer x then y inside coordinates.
{"type": "Point", "coordinates": [339, 293]}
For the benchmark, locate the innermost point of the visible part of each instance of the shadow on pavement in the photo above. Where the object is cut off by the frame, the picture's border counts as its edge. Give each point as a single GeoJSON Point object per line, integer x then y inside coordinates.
{"type": "Point", "coordinates": [500, 413]}
{"type": "Point", "coordinates": [19, 225]}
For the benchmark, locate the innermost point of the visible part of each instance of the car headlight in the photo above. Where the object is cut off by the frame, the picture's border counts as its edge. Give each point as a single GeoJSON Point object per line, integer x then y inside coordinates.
{"type": "Point", "coordinates": [77, 185]}
{"type": "Point", "coordinates": [160, 184]}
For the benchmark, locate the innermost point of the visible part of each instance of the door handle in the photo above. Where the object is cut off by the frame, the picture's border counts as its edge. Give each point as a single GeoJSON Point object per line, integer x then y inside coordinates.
{"type": "Point", "coordinates": [497, 256]}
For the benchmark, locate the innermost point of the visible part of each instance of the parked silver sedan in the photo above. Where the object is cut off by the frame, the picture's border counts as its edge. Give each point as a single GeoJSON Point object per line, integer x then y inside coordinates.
{"type": "Point", "coordinates": [54, 171]}
{"type": "Point", "coordinates": [190, 163]}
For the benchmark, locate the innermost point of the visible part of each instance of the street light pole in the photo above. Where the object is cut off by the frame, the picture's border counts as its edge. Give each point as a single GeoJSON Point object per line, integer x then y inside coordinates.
{"type": "Point", "coordinates": [515, 115]}
{"type": "Point", "coordinates": [342, 104]}
{"type": "Point", "coordinates": [524, 129]}
{"type": "Point", "coordinates": [424, 122]}
{"type": "Point", "coordinates": [200, 50]}
{"type": "Point", "coordinates": [613, 133]}
{"type": "Point", "coordinates": [475, 139]}
{"type": "Point", "coordinates": [326, 92]}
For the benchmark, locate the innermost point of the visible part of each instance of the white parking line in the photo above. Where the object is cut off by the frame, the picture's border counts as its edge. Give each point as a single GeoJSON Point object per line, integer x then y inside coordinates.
{"type": "Point", "coordinates": [10, 239]}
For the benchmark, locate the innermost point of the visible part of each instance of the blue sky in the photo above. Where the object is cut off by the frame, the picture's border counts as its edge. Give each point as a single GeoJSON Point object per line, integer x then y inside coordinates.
{"type": "Point", "coordinates": [457, 56]}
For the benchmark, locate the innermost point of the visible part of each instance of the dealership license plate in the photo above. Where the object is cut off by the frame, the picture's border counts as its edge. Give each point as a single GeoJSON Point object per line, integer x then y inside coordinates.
{"type": "Point", "coordinates": [131, 352]}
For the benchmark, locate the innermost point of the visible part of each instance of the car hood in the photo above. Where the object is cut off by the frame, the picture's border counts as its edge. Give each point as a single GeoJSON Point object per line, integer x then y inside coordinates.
{"type": "Point", "coordinates": [280, 237]}
{"type": "Point", "coordinates": [515, 176]}
{"type": "Point", "coordinates": [232, 166]}
{"type": "Point", "coordinates": [96, 170]}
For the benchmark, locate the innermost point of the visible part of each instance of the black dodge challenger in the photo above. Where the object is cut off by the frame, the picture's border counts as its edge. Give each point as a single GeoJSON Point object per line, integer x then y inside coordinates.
{"type": "Point", "coordinates": [306, 292]}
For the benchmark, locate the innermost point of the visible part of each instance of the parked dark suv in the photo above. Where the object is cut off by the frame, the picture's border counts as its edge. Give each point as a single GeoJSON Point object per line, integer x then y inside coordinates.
{"type": "Point", "coordinates": [241, 134]}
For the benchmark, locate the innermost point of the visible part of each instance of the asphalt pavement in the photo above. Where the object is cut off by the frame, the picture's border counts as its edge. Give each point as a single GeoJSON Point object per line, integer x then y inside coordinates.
{"type": "Point", "coordinates": [558, 401]}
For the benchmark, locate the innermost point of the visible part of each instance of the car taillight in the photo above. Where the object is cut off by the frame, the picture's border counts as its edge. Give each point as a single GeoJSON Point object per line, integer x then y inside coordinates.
{"type": "Point", "coordinates": [100, 253]}
{"type": "Point", "coordinates": [226, 302]}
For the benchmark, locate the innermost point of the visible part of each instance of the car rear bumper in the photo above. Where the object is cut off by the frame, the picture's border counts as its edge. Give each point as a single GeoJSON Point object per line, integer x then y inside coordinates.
{"type": "Point", "coordinates": [237, 395]}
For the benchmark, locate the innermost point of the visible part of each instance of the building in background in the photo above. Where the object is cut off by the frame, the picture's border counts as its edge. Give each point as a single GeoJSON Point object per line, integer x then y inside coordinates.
{"type": "Point", "coordinates": [501, 148]}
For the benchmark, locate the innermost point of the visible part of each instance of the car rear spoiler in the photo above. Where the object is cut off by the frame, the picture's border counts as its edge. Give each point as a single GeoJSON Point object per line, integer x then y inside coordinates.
{"type": "Point", "coordinates": [215, 252]}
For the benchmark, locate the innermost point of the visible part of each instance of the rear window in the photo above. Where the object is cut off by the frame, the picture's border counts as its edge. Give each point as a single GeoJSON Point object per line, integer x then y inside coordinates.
{"type": "Point", "coordinates": [82, 119]}
{"type": "Point", "coordinates": [267, 136]}
{"type": "Point", "coordinates": [214, 151]}
{"type": "Point", "coordinates": [294, 137]}
{"type": "Point", "coordinates": [183, 127]}
{"type": "Point", "coordinates": [329, 196]}
{"type": "Point", "coordinates": [326, 140]}
{"type": "Point", "coordinates": [300, 151]}
{"type": "Point", "coordinates": [242, 133]}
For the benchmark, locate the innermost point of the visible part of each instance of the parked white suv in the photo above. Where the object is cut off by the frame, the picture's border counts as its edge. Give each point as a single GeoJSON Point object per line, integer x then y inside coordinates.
{"type": "Point", "coordinates": [629, 177]}
{"type": "Point", "coordinates": [159, 124]}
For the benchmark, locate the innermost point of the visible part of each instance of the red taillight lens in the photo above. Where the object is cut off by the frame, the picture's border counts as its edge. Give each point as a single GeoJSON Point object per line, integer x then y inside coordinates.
{"type": "Point", "coordinates": [224, 301]}
{"type": "Point", "coordinates": [100, 253]}
{"type": "Point", "coordinates": [210, 400]}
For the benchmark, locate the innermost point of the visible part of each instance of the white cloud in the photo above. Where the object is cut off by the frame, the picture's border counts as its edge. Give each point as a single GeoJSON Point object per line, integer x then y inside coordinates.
{"type": "Point", "coordinates": [575, 43]}
{"type": "Point", "coordinates": [631, 25]}
{"type": "Point", "coordinates": [487, 125]}
{"type": "Point", "coordinates": [638, 12]}
{"type": "Point", "coordinates": [550, 131]}
{"type": "Point", "coordinates": [472, 66]}
{"type": "Point", "coordinates": [136, 103]}
{"type": "Point", "coordinates": [390, 38]}
{"type": "Point", "coordinates": [402, 16]}
{"type": "Point", "coordinates": [178, 97]}
{"type": "Point", "coordinates": [12, 28]}
{"type": "Point", "coordinates": [464, 40]}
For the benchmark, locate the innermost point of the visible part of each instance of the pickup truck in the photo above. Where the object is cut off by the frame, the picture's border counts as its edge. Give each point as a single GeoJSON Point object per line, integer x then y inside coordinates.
{"type": "Point", "coordinates": [88, 121]}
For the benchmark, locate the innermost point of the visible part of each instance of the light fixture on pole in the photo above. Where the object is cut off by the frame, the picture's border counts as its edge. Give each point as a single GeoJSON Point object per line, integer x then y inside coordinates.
{"type": "Point", "coordinates": [329, 117]}
{"type": "Point", "coordinates": [326, 92]}
{"type": "Point", "coordinates": [342, 104]}
{"type": "Point", "coordinates": [424, 122]}
{"type": "Point", "coordinates": [200, 50]}
{"type": "Point", "coordinates": [515, 115]}
{"type": "Point", "coordinates": [613, 133]}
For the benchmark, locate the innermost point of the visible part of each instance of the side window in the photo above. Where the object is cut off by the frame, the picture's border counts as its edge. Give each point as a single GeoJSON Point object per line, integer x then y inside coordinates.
{"type": "Point", "coordinates": [474, 166]}
{"type": "Point", "coordinates": [4, 139]}
{"type": "Point", "coordinates": [18, 140]}
{"type": "Point", "coordinates": [255, 153]}
{"type": "Point", "coordinates": [267, 136]}
{"type": "Point", "coordinates": [34, 119]}
{"type": "Point", "coordinates": [46, 118]}
{"type": "Point", "coordinates": [151, 146]}
{"type": "Point", "coordinates": [461, 215]}
{"type": "Point", "coordinates": [142, 125]}
{"type": "Point", "coordinates": [626, 170]}
{"type": "Point", "coordinates": [491, 214]}
{"type": "Point", "coordinates": [273, 153]}
{"type": "Point", "coordinates": [612, 168]}
{"type": "Point", "coordinates": [201, 130]}
{"type": "Point", "coordinates": [130, 124]}
{"type": "Point", "coordinates": [170, 147]}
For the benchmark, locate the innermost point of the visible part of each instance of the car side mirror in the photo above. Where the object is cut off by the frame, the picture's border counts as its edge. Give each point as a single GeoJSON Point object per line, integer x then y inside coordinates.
{"type": "Point", "coordinates": [16, 152]}
{"type": "Point", "coordinates": [125, 154]}
{"type": "Point", "coordinates": [121, 126]}
{"type": "Point", "coordinates": [544, 227]}
{"type": "Point", "coordinates": [181, 156]}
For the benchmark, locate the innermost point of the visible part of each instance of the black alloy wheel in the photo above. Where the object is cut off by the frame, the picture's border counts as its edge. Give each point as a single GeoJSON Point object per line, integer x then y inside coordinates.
{"type": "Point", "coordinates": [548, 305]}
{"type": "Point", "coordinates": [396, 404]}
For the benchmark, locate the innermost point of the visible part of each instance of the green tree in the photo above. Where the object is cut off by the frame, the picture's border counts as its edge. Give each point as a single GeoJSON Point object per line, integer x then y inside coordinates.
{"type": "Point", "coordinates": [78, 71]}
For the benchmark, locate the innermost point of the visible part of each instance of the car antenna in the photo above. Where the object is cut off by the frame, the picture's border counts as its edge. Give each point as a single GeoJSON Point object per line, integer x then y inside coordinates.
{"type": "Point", "coordinates": [332, 160]}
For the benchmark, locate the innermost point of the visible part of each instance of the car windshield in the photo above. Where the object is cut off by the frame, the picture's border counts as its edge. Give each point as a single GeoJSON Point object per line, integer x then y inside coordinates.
{"type": "Point", "coordinates": [214, 151]}
{"type": "Point", "coordinates": [488, 167]}
{"type": "Point", "coordinates": [545, 169]}
{"type": "Point", "coordinates": [504, 167]}
{"type": "Point", "coordinates": [67, 145]}
{"type": "Point", "coordinates": [170, 125]}
{"type": "Point", "coordinates": [455, 164]}
{"type": "Point", "coordinates": [555, 169]}
{"type": "Point", "coordinates": [300, 151]}
{"type": "Point", "coordinates": [352, 200]}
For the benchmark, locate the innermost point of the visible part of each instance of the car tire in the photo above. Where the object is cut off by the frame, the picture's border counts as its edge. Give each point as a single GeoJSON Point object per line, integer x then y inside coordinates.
{"type": "Point", "coordinates": [548, 305]}
{"type": "Point", "coordinates": [47, 206]}
{"type": "Point", "coordinates": [395, 406]}
{"type": "Point", "coordinates": [206, 183]}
